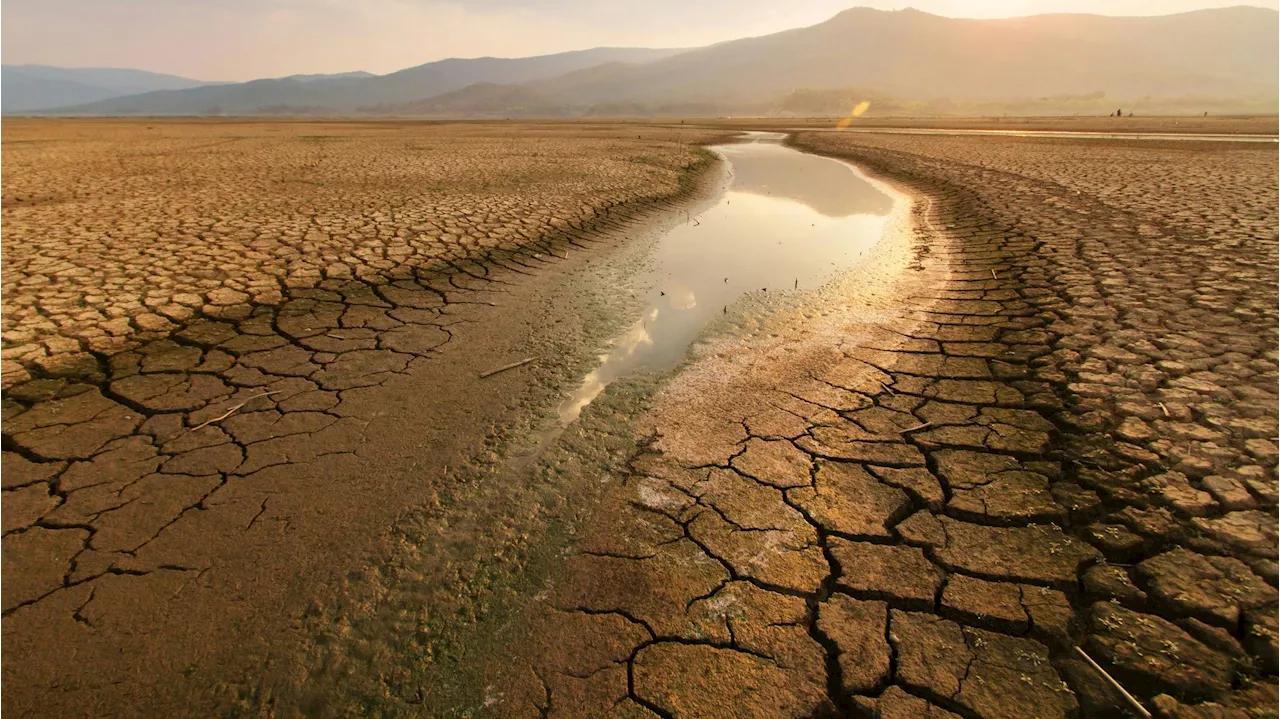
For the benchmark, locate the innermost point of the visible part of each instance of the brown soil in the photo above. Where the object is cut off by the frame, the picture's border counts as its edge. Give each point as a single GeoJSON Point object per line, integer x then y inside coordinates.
{"type": "Point", "coordinates": [1041, 417]}
{"type": "Point", "coordinates": [236, 355]}
{"type": "Point", "coordinates": [1055, 428]}
{"type": "Point", "coordinates": [1245, 125]}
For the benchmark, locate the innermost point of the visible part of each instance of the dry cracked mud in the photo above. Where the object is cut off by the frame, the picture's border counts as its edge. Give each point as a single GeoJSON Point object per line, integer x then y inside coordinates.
{"type": "Point", "coordinates": [1043, 418]}
{"type": "Point", "coordinates": [1055, 431]}
{"type": "Point", "coordinates": [210, 331]}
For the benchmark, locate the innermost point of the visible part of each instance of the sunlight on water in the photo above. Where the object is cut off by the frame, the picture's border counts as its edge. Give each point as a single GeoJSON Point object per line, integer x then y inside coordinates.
{"type": "Point", "coordinates": [789, 221]}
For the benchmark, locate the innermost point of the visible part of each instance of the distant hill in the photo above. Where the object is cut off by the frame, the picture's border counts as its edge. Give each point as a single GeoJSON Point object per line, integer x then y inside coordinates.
{"type": "Point", "coordinates": [347, 94]}
{"type": "Point", "coordinates": [903, 61]}
{"type": "Point", "coordinates": [332, 76]}
{"type": "Point", "coordinates": [1228, 52]}
{"type": "Point", "coordinates": [36, 87]}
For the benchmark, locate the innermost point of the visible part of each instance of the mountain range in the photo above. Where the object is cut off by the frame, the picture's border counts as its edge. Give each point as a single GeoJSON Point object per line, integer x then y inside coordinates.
{"type": "Point", "coordinates": [37, 87]}
{"type": "Point", "coordinates": [861, 53]}
{"type": "Point", "coordinates": [350, 91]}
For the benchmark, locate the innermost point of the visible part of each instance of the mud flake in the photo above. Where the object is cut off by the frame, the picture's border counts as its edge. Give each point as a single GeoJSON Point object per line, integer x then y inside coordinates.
{"type": "Point", "coordinates": [1038, 554]}
{"type": "Point", "coordinates": [23, 506]}
{"type": "Point", "coordinates": [587, 642]}
{"type": "Point", "coordinates": [990, 675]}
{"type": "Point", "coordinates": [991, 605]}
{"type": "Point", "coordinates": [81, 440]}
{"type": "Point", "coordinates": [847, 500]}
{"type": "Point", "coordinates": [775, 462]}
{"type": "Point", "coordinates": [774, 424]}
{"type": "Point", "coordinates": [915, 481]}
{"type": "Point", "coordinates": [285, 361]}
{"type": "Point", "coordinates": [858, 630]}
{"type": "Point", "coordinates": [1214, 589]}
{"type": "Point", "coordinates": [35, 562]}
{"type": "Point", "coordinates": [897, 574]}
{"type": "Point", "coordinates": [784, 558]}
{"type": "Point", "coordinates": [413, 339]}
{"type": "Point", "coordinates": [704, 681]}
{"type": "Point", "coordinates": [360, 368]}
{"type": "Point", "coordinates": [18, 471]}
{"type": "Point", "coordinates": [749, 504]}
{"type": "Point", "coordinates": [222, 458]}
{"type": "Point", "coordinates": [844, 442]}
{"type": "Point", "coordinates": [149, 505]}
{"type": "Point", "coordinates": [894, 703]}
{"type": "Point", "coordinates": [170, 392]}
{"type": "Point", "coordinates": [1262, 635]}
{"type": "Point", "coordinates": [1150, 655]}
{"type": "Point", "coordinates": [768, 624]}
{"type": "Point", "coordinates": [1250, 531]}
{"type": "Point", "coordinates": [618, 529]}
{"type": "Point", "coordinates": [654, 590]}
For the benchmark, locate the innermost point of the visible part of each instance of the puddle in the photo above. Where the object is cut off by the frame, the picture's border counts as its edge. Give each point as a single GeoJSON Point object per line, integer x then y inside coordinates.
{"type": "Point", "coordinates": [788, 221]}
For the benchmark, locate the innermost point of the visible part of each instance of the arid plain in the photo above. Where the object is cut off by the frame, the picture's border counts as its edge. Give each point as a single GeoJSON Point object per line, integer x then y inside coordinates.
{"type": "Point", "coordinates": [251, 467]}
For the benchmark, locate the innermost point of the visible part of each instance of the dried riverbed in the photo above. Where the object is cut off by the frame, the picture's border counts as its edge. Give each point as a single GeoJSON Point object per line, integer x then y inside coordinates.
{"type": "Point", "coordinates": [1038, 414]}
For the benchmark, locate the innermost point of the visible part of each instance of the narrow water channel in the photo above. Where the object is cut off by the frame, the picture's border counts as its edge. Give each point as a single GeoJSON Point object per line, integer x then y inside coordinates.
{"type": "Point", "coordinates": [787, 221]}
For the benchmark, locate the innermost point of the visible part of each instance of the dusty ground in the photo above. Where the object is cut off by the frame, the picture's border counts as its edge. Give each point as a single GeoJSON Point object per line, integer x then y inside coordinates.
{"type": "Point", "coordinates": [1243, 125]}
{"type": "Point", "coordinates": [1055, 428]}
{"type": "Point", "coordinates": [1043, 417]}
{"type": "Point", "coordinates": [236, 354]}
{"type": "Point", "coordinates": [118, 232]}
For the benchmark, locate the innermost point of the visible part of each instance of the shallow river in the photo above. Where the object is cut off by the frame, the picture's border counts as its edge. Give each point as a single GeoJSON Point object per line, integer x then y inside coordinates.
{"type": "Point", "coordinates": [787, 221]}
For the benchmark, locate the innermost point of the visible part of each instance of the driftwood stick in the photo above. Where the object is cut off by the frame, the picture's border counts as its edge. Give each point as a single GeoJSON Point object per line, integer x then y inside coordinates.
{"type": "Point", "coordinates": [232, 411]}
{"type": "Point", "coordinates": [1142, 711]}
{"type": "Point", "coordinates": [218, 418]}
{"type": "Point", "coordinates": [504, 368]}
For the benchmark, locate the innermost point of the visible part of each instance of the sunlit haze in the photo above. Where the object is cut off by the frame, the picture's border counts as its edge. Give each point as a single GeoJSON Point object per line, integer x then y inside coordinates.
{"type": "Point", "coordinates": [246, 39]}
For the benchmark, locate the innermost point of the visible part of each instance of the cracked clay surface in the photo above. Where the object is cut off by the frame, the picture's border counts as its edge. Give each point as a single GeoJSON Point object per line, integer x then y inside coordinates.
{"type": "Point", "coordinates": [235, 352]}
{"type": "Point", "coordinates": [1055, 429]}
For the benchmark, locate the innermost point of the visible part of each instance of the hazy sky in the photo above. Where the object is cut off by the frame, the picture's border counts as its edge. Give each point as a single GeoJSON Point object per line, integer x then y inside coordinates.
{"type": "Point", "coordinates": [245, 39]}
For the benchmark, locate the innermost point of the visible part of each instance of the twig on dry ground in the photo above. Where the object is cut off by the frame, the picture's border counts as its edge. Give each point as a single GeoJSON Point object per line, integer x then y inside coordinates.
{"type": "Point", "coordinates": [993, 275]}
{"type": "Point", "coordinates": [1142, 711]}
{"type": "Point", "coordinates": [504, 368]}
{"type": "Point", "coordinates": [916, 428]}
{"type": "Point", "coordinates": [233, 410]}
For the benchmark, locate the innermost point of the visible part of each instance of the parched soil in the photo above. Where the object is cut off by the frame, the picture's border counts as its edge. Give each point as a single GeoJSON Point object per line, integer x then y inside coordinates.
{"type": "Point", "coordinates": [1044, 422]}
{"type": "Point", "coordinates": [1051, 439]}
{"type": "Point", "coordinates": [119, 232]}
{"type": "Point", "coordinates": [236, 353]}
{"type": "Point", "coordinates": [1212, 125]}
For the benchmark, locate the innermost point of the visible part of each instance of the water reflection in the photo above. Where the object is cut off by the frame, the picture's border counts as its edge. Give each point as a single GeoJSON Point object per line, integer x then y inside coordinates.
{"type": "Point", "coordinates": [767, 168]}
{"type": "Point", "coordinates": [788, 221]}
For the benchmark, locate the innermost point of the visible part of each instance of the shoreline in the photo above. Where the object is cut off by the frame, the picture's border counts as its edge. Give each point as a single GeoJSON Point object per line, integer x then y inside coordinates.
{"type": "Point", "coordinates": [280, 463]}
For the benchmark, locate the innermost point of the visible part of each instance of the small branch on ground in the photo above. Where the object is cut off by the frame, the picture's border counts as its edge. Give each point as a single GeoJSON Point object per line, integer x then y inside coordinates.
{"type": "Point", "coordinates": [232, 411]}
{"type": "Point", "coordinates": [504, 368]}
{"type": "Point", "coordinates": [1142, 711]}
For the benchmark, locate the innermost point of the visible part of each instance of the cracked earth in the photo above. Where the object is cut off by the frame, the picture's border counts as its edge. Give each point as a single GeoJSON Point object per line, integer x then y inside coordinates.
{"type": "Point", "coordinates": [206, 327]}
{"type": "Point", "coordinates": [1044, 420]}
{"type": "Point", "coordinates": [1055, 432]}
